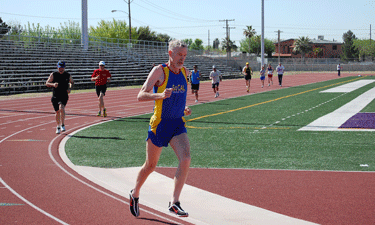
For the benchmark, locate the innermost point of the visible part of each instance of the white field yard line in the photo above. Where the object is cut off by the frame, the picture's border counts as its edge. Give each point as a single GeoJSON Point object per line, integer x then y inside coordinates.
{"type": "Point", "coordinates": [203, 207]}
{"type": "Point", "coordinates": [349, 87]}
{"type": "Point", "coordinates": [333, 120]}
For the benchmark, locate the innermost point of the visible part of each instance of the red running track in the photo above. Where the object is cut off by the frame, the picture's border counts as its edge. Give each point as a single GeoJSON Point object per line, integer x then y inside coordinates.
{"type": "Point", "coordinates": [38, 188]}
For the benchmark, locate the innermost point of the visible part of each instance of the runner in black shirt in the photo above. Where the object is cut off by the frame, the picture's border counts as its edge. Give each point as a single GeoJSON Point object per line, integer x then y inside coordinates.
{"type": "Point", "coordinates": [61, 82]}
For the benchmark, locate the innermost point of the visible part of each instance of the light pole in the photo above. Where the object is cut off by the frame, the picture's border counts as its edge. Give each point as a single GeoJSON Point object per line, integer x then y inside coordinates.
{"type": "Point", "coordinates": [130, 25]}
{"type": "Point", "coordinates": [262, 36]}
{"type": "Point", "coordinates": [84, 30]}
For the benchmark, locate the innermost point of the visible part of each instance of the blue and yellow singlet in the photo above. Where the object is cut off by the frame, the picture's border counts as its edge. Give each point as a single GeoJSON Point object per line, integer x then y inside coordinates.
{"type": "Point", "coordinates": [174, 106]}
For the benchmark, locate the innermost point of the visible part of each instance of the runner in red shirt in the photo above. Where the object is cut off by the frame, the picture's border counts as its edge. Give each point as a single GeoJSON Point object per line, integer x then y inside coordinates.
{"type": "Point", "coordinates": [101, 76]}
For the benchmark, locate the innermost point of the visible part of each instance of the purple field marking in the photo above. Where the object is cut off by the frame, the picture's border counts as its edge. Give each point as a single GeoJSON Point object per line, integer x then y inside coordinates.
{"type": "Point", "coordinates": [360, 121]}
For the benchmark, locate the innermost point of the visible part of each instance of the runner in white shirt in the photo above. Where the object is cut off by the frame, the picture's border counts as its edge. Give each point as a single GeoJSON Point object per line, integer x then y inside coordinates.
{"type": "Point", "coordinates": [280, 72]}
{"type": "Point", "coordinates": [216, 77]}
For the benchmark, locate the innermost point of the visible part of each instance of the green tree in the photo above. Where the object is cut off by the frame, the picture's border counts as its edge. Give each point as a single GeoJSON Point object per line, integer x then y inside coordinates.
{"type": "Point", "coordinates": [163, 38]}
{"type": "Point", "coordinates": [4, 28]}
{"type": "Point", "coordinates": [188, 41]}
{"type": "Point", "coordinates": [302, 46]}
{"type": "Point", "coordinates": [144, 33]}
{"type": "Point", "coordinates": [32, 29]}
{"type": "Point", "coordinates": [112, 30]}
{"type": "Point", "coordinates": [197, 45]}
{"type": "Point", "coordinates": [228, 45]}
{"type": "Point", "coordinates": [348, 49]}
{"type": "Point", "coordinates": [253, 45]}
{"type": "Point", "coordinates": [318, 52]}
{"type": "Point", "coordinates": [269, 47]}
{"type": "Point", "coordinates": [67, 30]}
{"type": "Point", "coordinates": [365, 48]}
{"type": "Point", "coordinates": [16, 29]}
{"type": "Point", "coordinates": [249, 32]}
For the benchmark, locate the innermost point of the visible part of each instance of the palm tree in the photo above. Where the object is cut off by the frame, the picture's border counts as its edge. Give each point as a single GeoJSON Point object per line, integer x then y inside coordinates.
{"type": "Point", "coordinates": [249, 32]}
{"type": "Point", "coordinates": [228, 45]}
{"type": "Point", "coordinates": [303, 46]}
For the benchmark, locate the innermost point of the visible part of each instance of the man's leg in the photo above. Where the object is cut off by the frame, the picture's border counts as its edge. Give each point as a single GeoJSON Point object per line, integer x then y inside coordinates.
{"type": "Point", "coordinates": [181, 147]}
{"type": "Point", "coordinates": [62, 114]}
{"type": "Point", "coordinates": [101, 101]}
{"type": "Point", "coordinates": [58, 117]}
{"type": "Point", "coordinates": [152, 157]}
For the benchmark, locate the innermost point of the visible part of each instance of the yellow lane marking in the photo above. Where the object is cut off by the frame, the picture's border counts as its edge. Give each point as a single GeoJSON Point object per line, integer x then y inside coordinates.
{"type": "Point", "coordinates": [272, 100]}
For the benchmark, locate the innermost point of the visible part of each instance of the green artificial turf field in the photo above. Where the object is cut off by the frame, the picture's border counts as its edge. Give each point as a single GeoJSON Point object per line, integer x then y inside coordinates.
{"type": "Point", "coordinates": [258, 131]}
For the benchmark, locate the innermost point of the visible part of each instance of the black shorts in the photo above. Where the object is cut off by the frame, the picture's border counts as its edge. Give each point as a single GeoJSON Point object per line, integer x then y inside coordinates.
{"type": "Point", "coordinates": [215, 85]}
{"type": "Point", "coordinates": [195, 87]}
{"type": "Point", "coordinates": [56, 101]}
{"type": "Point", "coordinates": [248, 77]}
{"type": "Point", "coordinates": [101, 88]}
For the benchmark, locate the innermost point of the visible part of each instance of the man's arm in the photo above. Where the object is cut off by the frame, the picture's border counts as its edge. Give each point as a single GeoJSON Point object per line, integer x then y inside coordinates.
{"type": "Point", "coordinates": [71, 82]}
{"type": "Point", "coordinates": [187, 71]}
{"type": "Point", "coordinates": [50, 80]}
{"type": "Point", "coordinates": [93, 77]}
{"type": "Point", "coordinates": [110, 77]}
{"type": "Point", "coordinates": [155, 77]}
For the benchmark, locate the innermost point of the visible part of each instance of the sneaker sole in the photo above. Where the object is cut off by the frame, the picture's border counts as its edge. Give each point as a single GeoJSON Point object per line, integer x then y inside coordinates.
{"type": "Point", "coordinates": [131, 204]}
{"type": "Point", "coordinates": [175, 214]}
{"type": "Point", "coordinates": [175, 211]}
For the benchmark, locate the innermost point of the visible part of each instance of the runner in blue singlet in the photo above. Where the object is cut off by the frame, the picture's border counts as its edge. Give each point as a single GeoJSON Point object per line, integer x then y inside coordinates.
{"type": "Point", "coordinates": [166, 85]}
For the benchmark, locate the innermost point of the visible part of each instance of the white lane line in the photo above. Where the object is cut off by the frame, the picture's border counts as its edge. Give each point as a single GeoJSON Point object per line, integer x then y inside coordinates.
{"type": "Point", "coordinates": [333, 120]}
{"type": "Point", "coordinates": [42, 123]}
{"type": "Point", "coordinates": [20, 196]}
{"type": "Point", "coordinates": [31, 204]}
{"type": "Point", "coordinates": [352, 86]}
{"type": "Point", "coordinates": [203, 207]}
{"type": "Point", "coordinates": [66, 160]}
{"type": "Point", "coordinates": [288, 117]}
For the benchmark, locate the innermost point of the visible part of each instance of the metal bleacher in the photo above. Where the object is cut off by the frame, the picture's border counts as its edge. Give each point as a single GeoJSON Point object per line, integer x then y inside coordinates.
{"type": "Point", "coordinates": [25, 66]}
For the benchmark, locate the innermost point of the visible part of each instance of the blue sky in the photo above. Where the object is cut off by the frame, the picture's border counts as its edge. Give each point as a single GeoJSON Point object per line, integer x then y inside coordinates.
{"type": "Point", "coordinates": [196, 18]}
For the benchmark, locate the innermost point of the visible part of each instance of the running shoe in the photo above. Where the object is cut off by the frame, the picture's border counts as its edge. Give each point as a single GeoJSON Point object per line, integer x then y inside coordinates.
{"type": "Point", "coordinates": [196, 100]}
{"type": "Point", "coordinates": [57, 129]}
{"type": "Point", "coordinates": [63, 128]}
{"type": "Point", "coordinates": [134, 207]}
{"type": "Point", "coordinates": [104, 112]}
{"type": "Point", "coordinates": [176, 209]}
{"type": "Point", "coordinates": [99, 113]}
